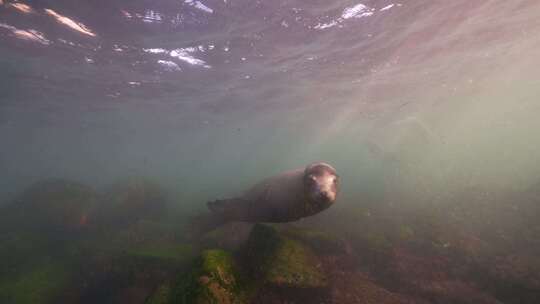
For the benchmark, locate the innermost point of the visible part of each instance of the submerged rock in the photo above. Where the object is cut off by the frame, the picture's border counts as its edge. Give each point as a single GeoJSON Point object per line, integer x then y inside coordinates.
{"type": "Point", "coordinates": [273, 265]}
{"type": "Point", "coordinates": [174, 253]}
{"type": "Point", "coordinates": [430, 277]}
{"type": "Point", "coordinates": [43, 283]}
{"type": "Point", "coordinates": [136, 294]}
{"type": "Point", "coordinates": [17, 249]}
{"type": "Point", "coordinates": [131, 200]}
{"type": "Point", "coordinates": [321, 242]}
{"type": "Point", "coordinates": [358, 288]}
{"type": "Point", "coordinates": [515, 278]}
{"type": "Point", "coordinates": [282, 261]}
{"type": "Point", "coordinates": [214, 279]}
{"type": "Point", "coordinates": [53, 205]}
{"type": "Point", "coordinates": [230, 236]}
{"type": "Point", "coordinates": [162, 295]}
{"type": "Point", "coordinates": [118, 269]}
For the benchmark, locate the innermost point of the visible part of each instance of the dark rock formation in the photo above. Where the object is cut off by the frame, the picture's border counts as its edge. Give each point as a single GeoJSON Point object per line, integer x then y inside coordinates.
{"type": "Point", "coordinates": [53, 206]}
{"type": "Point", "coordinates": [131, 200]}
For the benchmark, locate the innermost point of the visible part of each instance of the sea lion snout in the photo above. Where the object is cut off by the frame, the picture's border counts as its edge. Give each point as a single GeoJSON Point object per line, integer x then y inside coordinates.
{"type": "Point", "coordinates": [327, 192]}
{"type": "Point", "coordinates": [326, 197]}
{"type": "Point", "coordinates": [321, 183]}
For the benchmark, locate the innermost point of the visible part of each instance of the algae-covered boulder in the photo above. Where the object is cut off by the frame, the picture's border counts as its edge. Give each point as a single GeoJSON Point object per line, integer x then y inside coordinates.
{"type": "Point", "coordinates": [213, 280]}
{"type": "Point", "coordinates": [131, 200]}
{"type": "Point", "coordinates": [282, 261]}
{"type": "Point", "coordinates": [51, 205]}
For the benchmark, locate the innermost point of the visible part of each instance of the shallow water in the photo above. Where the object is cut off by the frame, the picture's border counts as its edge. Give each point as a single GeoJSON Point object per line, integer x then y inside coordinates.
{"type": "Point", "coordinates": [426, 108]}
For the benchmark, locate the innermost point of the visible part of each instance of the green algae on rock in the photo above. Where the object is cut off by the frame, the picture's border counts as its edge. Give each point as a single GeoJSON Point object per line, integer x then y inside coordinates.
{"type": "Point", "coordinates": [214, 280]}
{"type": "Point", "coordinates": [282, 261]}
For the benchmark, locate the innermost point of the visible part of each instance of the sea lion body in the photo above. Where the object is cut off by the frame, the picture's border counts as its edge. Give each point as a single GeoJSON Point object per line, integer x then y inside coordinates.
{"type": "Point", "coordinates": [285, 197]}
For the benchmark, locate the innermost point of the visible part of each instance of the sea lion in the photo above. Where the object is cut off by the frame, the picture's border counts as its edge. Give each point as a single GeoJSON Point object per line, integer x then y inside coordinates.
{"type": "Point", "coordinates": [285, 197]}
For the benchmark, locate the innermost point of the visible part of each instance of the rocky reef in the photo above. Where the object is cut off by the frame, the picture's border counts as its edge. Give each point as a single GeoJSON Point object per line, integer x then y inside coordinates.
{"type": "Point", "coordinates": [44, 282]}
{"type": "Point", "coordinates": [213, 279]}
{"type": "Point", "coordinates": [53, 206]}
{"type": "Point", "coordinates": [279, 264]}
{"type": "Point", "coordinates": [64, 242]}
{"type": "Point", "coordinates": [59, 244]}
{"type": "Point", "coordinates": [130, 200]}
{"type": "Point", "coordinates": [277, 260]}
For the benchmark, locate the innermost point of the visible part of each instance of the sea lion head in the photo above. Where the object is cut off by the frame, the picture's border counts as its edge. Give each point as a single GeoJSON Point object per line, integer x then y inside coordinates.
{"type": "Point", "coordinates": [321, 184]}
